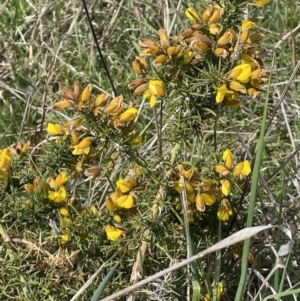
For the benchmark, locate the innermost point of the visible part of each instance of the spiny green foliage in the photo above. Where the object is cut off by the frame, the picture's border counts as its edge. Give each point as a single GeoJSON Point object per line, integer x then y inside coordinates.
{"type": "Point", "coordinates": [105, 175]}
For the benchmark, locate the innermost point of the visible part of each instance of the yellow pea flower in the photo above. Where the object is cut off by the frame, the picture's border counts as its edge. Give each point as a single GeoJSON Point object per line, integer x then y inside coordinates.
{"type": "Point", "coordinates": [242, 169]}
{"type": "Point", "coordinates": [221, 92]}
{"type": "Point", "coordinates": [226, 187]}
{"type": "Point", "coordinates": [64, 238]}
{"type": "Point", "coordinates": [5, 158]}
{"type": "Point", "coordinates": [140, 65]}
{"type": "Point", "coordinates": [112, 232]}
{"type": "Point", "coordinates": [128, 115]}
{"type": "Point", "coordinates": [125, 201]}
{"type": "Point", "coordinates": [221, 170]}
{"type": "Point", "coordinates": [247, 24]}
{"type": "Point", "coordinates": [110, 204]}
{"type": "Point", "coordinates": [124, 186]}
{"type": "Point", "coordinates": [61, 179]}
{"type": "Point", "coordinates": [31, 188]}
{"type": "Point", "coordinates": [86, 93]}
{"type": "Point", "coordinates": [155, 89]}
{"type": "Point", "coordinates": [225, 211]}
{"type": "Point", "coordinates": [114, 106]}
{"type": "Point", "coordinates": [58, 196]}
{"type": "Point", "coordinates": [117, 218]}
{"type": "Point", "coordinates": [241, 73]}
{"type": "Point", "coordinates": [200, 204]}
{"type": "Point", "coordinates": [55, 129]}
{"type": "Point", "coordinates": [209, 199]}
{"type": "Point", "coordinates": [192, 15]}
{"type": "Point", "coordinates": [237, 86]}
{"type": "Point", "coordinates": [64, 211]}
{"type": "Point", "coordinates": [228, 158]}
{"type": "Point", "coordinates": [63, 105]}
{"type": "Point", "coordinates": [83, 147]}
{"type": "Point", "coordinates": [261, 2]}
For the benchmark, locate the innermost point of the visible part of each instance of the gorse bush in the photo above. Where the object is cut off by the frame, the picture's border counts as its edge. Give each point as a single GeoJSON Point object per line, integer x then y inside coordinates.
{"type": "Point", "coordinates": [139, 178]}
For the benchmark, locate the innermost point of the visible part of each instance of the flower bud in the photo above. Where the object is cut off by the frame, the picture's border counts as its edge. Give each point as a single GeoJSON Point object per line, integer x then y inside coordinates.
{"type": "Point", "coordinates": [55, 129]}
{"type": "Point", "coordinates": [159, 60]}
{"type": "Point", "coordinates": [214, 29]}
{"type": "Point", "coordinates": [164, 40]}
{"type": "Point", "coordinates": [192, 15]}
{"type": "Point", "coordinates": [136, 83]}
{"type": "Point", "coordinates": [128, 115]}
{"type": "Point", "coordinates": [101, 99]}
{"type": "Point", "coordinates": [173, 50]}
{"type": "Point", "coordinates": [113, 105]}
{"type": "Point", "coordinates": [140, 66]}
{"type": "Point", "coordinates": [63, 105]}
{"type": "Point", "coordinates": [141, 89]}
{"type": "Point", "coordinates": [94, 171]}
{"type": "Point", "coordinates": [85, 96]}
{"type": "Point", "coordinates": [236, 86]}
{"type": "Point", "coordinates": [215, 16]}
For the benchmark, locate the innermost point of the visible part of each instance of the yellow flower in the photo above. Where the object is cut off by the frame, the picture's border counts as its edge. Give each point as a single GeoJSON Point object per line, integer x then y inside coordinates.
{"type": "Point", "coordinates": [63, 105]}
{"type": "Point", "coordinates": [125, 201]}
{"type": "Point", "coordinates": [246, 24]}
{"type": "Point", "coordinates": [155, 89]}
{"type": "Point", "coordinates": [83, 147]}
{"type": "Point", "coordinates": [31, 188]}
{"type": "Point", "coordinates": [128, 115]}
{"type": "Point", "coordinates": [140, 65]}
{"type": "Point", "coordinates": [241, 73]}
{"type": "Point", "coordinates": [209, 199]}
{"type": "Point", "coordinates": [192, 15]}
{"type": "Point", "coordinates": [64, 238]}
{"type": "Point", "coordinates": [110, 205]}
{"type": "Point", "coordinates": [114, 106]}
{"type": "Point", "coordinates": [204, 199]}
{"type": "Point", "coordinates": [188, 186]}
{"type": "Point", "coordinates": [242, 169]}
{"type": "Point", "coordinates": [221, 92]}
{"type": "Point", "coordinates": [228, 158]}
{"type": "Point", "coordinates": [225, 211]}
{"type": "Point", "coordinates": [5, 158]}
{"type": "Point", "coordinates": [58, 196]}
{"type": "Point", "coordinates": [226, 187]}
{"type": "Point", "coordinates": [61, 179]}
{"type": "Point", "coordinates": [64, 211]}
{"type": "Point", "coordinates": [112, 232]}
{"type": "Point", "coordinates": [117, 218]}
{"type": "Point", "coordinates": [261, 2]}
{"type": "Point", "coordinates": [124, 186]}
{"type": "Point", "coordinates": [236, 86]}
{"type": "Point", "coordinates": [221, 170]}
{"type": "Point", "coordinates": [86, 93]}
{"type": "Point", "coordinates": [55, 129]}
{"type": "Point", "coordinates": [219, 293]}
{"type": "Point", "coordinates": [164, 40]}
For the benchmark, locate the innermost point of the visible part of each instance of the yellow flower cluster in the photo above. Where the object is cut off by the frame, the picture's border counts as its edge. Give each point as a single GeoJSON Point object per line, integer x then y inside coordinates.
{"type": "Point", "coordinates": [208, 38]}
{"type": "Point", "coordinates": [199, 193]}
{"type": "Point", "coordinates": [5, 161]}
{"type": "Point", "coordinates": [85, 102]}
{"type": "Point", "coordinates": [207, 192]}
{"type": "Point", "coordinates": [239, 172]}
{"type": "Point", "coordinates": [121, 199]}
{"type": "Point", "coordinates": [55, 191]}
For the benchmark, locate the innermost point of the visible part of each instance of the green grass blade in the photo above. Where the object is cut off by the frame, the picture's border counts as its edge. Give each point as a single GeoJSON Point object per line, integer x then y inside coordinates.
{"type": "Point", "coordinates": [104, 283]}
{"type": "Point", "coordinates": [254, 185]}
